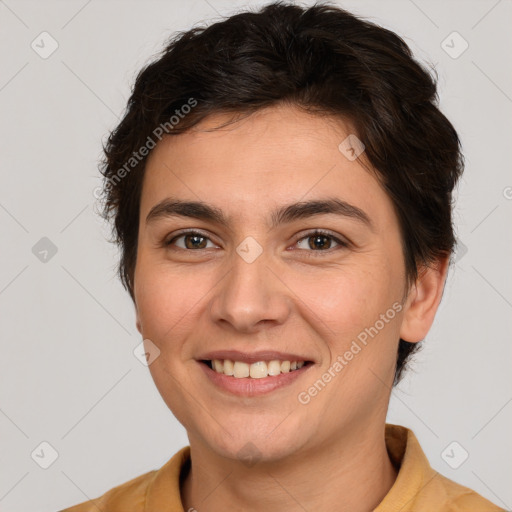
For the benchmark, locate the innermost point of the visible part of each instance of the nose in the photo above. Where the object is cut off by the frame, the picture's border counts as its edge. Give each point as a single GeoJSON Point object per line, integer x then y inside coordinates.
{"type": "Point", "coordinates": [250, 296]}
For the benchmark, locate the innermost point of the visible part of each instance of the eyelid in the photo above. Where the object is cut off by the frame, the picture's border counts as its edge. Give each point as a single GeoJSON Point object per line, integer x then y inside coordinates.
{"type": "Point", "coordinates": [168, 240]}
{"type": "Point", "coordinates": [341, 241]}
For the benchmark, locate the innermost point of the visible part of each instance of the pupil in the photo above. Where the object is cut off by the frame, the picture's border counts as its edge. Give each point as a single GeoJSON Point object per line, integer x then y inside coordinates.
{"type": "Point", "coordinates": [316, 239]}
{"type": "Point", "coordinates": [194, 245]}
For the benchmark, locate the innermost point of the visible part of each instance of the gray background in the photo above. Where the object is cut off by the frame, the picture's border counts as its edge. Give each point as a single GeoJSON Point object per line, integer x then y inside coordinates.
{"type": "Point", "coordinates": [68, 373]}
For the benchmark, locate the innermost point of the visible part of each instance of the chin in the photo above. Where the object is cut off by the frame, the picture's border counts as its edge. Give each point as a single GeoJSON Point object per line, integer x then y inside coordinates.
{"type": "Point", "coordinates": [255, 442]}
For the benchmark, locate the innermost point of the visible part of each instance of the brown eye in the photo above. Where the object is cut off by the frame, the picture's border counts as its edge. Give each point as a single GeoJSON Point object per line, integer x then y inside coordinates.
{"type": "Point", "coordinates": [195, 241]}
{"type": "Point", "coordinates": [190, 240]}
{"type": "Point", "coordinates": [319, 241]}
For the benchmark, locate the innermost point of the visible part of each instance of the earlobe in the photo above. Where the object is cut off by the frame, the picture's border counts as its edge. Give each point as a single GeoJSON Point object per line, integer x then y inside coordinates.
{"type": "Point", "coordinates": [423, 301]}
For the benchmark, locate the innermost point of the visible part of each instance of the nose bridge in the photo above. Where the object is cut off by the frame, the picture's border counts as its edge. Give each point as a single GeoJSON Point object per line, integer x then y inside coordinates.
{"type": "Point", "coordinates": [249, 295]}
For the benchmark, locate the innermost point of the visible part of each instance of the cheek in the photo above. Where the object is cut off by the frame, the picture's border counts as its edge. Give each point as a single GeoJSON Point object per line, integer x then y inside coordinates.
{"type": "Point", "coordinates": [168, 301]}
{"type": "Point", "coordinates": [346, 300]}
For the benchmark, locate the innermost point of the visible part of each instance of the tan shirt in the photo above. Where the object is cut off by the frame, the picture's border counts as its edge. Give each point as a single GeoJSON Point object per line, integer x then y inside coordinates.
{"type": "Point", "coordinates": [418, 487]}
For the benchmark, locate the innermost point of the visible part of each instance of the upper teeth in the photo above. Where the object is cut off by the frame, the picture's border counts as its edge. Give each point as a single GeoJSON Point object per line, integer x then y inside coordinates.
{"type": "Point", "coordinates": [239, 369]}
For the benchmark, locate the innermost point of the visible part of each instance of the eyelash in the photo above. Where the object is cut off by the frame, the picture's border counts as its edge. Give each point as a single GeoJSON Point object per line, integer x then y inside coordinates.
{"type": "Point", "coordinates": [312, 252]}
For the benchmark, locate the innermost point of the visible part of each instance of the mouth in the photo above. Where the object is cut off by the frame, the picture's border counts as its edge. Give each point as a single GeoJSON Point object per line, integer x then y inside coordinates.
{"type": "Point", "coordinates": [256, 370]}
{"type": "Point", "coordinates": [255, 374]}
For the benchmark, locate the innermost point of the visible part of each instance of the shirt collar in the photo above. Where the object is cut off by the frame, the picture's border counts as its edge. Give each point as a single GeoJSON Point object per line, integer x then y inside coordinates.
{"type": "Point", "coordinates": [414, 471]}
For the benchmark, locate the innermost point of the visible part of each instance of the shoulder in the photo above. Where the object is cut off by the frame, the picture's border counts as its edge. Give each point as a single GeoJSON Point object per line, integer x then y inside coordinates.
{"type": "Point", "coordinates": [127, 497]}
{"type": "Point", "coordinates": [419, 487]}
{"type": "Point", "coordinates": [153, 490]}
{"type": "Point", "coordinates": [459, 498]}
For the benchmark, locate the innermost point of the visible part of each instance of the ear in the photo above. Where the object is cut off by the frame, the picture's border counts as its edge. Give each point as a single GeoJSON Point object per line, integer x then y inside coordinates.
{"type": "Point", "coordinates": [423, 300]}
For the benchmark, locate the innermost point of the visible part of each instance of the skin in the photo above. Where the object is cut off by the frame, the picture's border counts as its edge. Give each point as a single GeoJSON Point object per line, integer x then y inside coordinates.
{"type": "Point", "coordinates": [330, 453]}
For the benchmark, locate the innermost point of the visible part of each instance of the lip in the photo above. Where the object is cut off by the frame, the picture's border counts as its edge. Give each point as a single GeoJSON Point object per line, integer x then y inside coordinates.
{"type": "Point", "coordinates": [248, 387]}
{"type": "Point", "coordinates": [252, 357]}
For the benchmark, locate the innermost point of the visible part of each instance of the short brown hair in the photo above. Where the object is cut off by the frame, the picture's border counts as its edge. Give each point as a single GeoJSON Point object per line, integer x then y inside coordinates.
{"type": "Point", "coordinates": [322, 59]}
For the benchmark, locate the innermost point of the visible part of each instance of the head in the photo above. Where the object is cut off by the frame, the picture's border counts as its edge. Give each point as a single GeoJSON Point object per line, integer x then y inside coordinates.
{"type": "Point", "coordinates": [304, 150]}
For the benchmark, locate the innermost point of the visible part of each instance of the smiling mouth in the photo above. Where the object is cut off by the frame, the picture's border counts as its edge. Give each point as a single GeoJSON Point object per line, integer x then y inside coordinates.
{"type": "Point", "coordinates": [257, 370]}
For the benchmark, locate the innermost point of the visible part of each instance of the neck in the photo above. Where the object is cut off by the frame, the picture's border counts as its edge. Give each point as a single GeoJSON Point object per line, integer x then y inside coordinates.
{"type": "Point", "coordinates": [353, 475]}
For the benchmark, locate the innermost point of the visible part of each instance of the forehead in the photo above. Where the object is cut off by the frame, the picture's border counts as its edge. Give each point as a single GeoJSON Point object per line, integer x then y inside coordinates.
{"type": "Point", "coordinates": [275, 156]}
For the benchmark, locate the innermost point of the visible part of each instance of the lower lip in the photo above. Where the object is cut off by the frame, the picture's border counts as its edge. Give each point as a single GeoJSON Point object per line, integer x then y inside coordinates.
{"type": "Point", "coordinates": [252, 387]}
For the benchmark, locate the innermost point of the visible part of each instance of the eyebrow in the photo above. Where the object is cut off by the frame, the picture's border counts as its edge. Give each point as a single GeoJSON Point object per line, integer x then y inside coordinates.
{"type": "Point", "coordinates": [172, 207]}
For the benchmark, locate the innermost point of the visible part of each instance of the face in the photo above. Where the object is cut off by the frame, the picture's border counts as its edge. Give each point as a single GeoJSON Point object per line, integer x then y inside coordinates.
{"type": "Point", "coordinates": [254, 290]}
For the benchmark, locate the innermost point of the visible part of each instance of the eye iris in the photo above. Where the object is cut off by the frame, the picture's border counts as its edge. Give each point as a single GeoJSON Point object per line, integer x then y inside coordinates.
{"type": "Point", "coordinates": [317, 243]}
{"type": "Point", "coordinates": [194, 245]}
